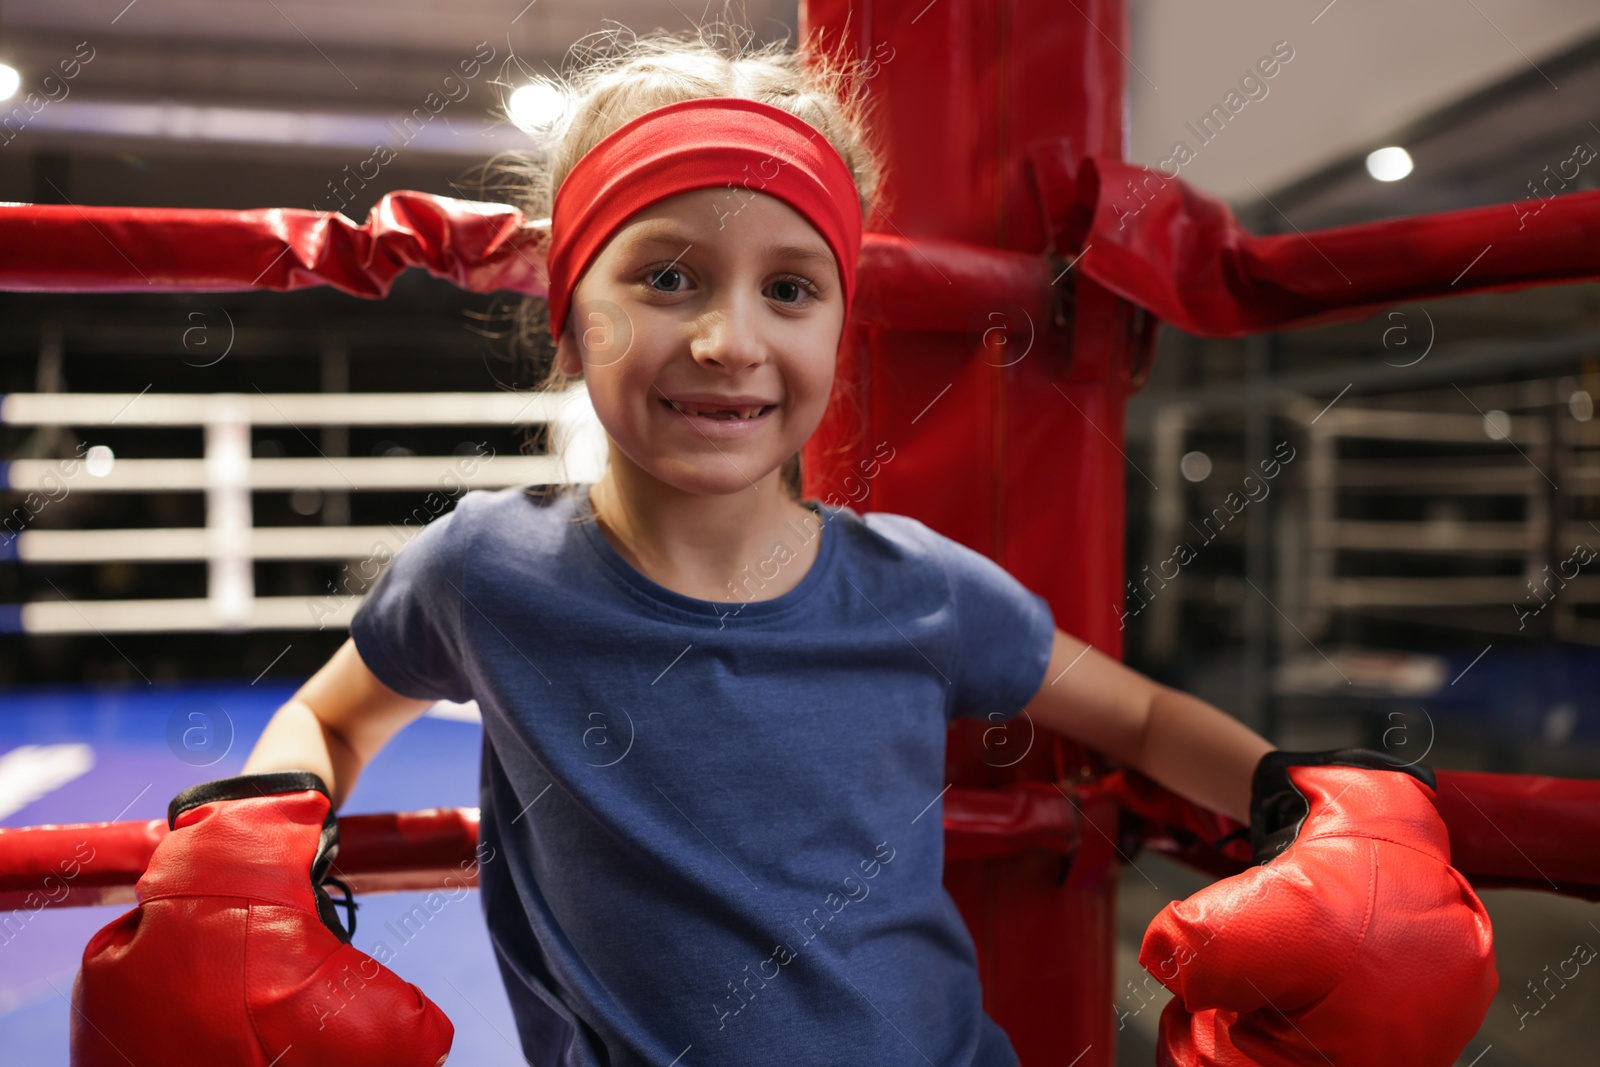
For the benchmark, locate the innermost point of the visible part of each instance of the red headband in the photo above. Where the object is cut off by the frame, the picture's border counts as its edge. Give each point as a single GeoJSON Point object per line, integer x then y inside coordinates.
{"type": "Point", "coordinates": [698, 144]}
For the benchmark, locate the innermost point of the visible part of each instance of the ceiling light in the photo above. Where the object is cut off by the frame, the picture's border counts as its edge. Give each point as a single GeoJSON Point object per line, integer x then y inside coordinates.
{"type": "Point", "coordinates": [537, 106]}
{"type": "Point", "coordinates": [99, 461]}
{"type": "Point", "coordinates": [1195, 466]}
{"type": "Point", "coordinates": [1389, 164]}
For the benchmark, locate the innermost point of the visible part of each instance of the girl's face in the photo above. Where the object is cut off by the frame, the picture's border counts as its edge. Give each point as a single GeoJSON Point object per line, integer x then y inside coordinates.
{"type": "Point", "coordinates": [710, 300]}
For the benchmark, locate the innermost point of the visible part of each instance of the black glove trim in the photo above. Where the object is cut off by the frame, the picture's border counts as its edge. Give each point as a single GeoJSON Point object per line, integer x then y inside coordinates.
{"type": "Point", "coordinates": [243, 787]}
{"type": "Point", "coordinates": [246, 786]}
{"type": "Point", "coordinates": [1277, 807]}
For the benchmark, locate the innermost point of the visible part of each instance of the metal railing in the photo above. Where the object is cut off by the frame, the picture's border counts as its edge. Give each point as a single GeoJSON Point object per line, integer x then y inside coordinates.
{"type": "Point", "coordinates": [228, 475]}
{"type": "Point", "coordinates": [1354, 463]}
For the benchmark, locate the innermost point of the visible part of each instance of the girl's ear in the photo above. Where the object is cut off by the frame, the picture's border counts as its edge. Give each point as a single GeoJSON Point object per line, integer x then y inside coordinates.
{"type": "Point", "coordinates": [568, 360]}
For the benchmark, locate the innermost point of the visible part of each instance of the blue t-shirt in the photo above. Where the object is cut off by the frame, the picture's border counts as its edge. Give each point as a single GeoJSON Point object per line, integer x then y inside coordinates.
{"type": "Point", "coordinates": [716, 828]}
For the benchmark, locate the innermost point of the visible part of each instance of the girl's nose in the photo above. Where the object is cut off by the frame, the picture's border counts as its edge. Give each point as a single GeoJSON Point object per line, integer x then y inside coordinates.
{"type": "Point", "coordinates": [727, 335]}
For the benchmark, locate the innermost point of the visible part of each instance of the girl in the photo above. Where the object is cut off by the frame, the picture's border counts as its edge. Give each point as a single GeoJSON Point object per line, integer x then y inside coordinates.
{"type": "Point", "coordinates": [715, 713]}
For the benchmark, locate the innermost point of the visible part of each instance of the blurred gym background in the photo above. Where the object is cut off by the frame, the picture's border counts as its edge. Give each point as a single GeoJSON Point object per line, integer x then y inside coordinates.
{"type": "Point", "coordinates": [1405, 568]}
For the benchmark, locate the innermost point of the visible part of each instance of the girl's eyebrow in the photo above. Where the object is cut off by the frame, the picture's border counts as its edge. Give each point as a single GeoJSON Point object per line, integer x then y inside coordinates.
{"type": "Point", "coordinates": [806, 252]}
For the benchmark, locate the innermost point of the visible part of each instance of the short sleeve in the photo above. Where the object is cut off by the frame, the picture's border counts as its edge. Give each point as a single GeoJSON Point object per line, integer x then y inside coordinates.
{"type": "Point", "coordinates": [1002, 637]}
{"type": "Point", "coordinates": [408, 629]}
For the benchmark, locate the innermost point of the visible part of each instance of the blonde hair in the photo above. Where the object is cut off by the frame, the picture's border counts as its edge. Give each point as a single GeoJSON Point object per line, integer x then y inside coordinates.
{"type": "Point", "coordinates": [620, 76]}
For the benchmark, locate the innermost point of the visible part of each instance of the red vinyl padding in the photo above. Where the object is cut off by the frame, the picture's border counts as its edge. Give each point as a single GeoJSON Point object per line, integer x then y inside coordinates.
{"type": "Point", "coordinates": [1167, 248]}
{"type": "Point", "coordinates": [1506, 831]}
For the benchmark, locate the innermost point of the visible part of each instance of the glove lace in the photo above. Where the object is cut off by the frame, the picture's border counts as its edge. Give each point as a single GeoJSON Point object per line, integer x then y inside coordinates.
{"type": "Point", "coordinates": [348, 903]}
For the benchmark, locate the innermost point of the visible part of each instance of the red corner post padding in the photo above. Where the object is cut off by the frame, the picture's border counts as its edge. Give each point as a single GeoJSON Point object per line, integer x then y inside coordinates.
{"type": "Point", "coordinates": [81, 864]}
{"type": "Point", "coordinates": [1181, 255]}
{"type": "Point", "coordinates": [1523, 831]}
{"type": "Point", "coordinates": [477, 246]}
{"type": "Point", "coordinates": [1507, 831]}
{"type": "Point", "coordinates": [1151, 239]}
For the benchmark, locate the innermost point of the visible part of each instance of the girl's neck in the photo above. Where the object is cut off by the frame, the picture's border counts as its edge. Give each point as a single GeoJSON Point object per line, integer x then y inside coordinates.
{"type": "Point", "coordinates": [700, 544]}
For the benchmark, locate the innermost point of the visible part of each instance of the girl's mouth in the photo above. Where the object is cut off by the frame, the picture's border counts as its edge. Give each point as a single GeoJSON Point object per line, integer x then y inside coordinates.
{"type": "Point", "coordinates": [722, 415]}
{"type": "Point", "coordinates": [725, 423]}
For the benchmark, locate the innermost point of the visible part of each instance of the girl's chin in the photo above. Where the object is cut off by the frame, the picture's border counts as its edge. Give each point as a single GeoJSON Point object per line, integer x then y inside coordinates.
{"type": "Point", "coordinates": [711, 476]}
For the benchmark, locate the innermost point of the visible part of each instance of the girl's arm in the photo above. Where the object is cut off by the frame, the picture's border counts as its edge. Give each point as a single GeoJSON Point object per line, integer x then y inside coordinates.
{"type": "Point", "coordinates": [1197, 751]}
{"type": "Point", "coordinates": [334, 724]}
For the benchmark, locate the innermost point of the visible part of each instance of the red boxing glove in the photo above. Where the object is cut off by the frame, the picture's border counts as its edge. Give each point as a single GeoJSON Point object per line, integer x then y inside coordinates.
{"type": "Point", "coordinates": [1352, 910]}
{"type": "Point", "coordinates": [235, 955]}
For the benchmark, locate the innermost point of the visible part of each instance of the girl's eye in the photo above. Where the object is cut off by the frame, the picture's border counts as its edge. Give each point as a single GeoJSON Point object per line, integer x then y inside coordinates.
{"type": "Point", "coordinates": [664, 272]}
{"type": "Point", "coordinates": [788, 289]}
{"type": "Point", "coordinates": [793, 282]}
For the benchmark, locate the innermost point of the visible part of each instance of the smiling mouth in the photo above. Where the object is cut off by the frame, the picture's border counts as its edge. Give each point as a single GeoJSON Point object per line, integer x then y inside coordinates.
{"type": "Point", "coordinates": [723, 414]}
